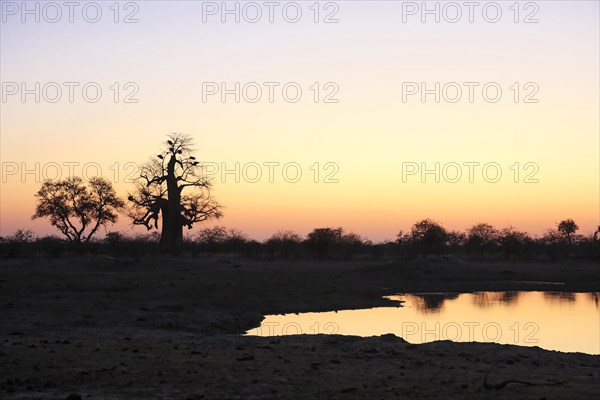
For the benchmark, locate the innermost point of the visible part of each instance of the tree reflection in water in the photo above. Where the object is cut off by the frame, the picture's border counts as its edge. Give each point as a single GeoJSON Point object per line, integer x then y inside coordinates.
{"type": "Point", "coordinates": [559, 296]}
{"type": "Point", "coordinates": [595, 298]}
{"type": "Point", "coordinates": [432, 302]}
{"type": "Point", "coordinates": [488, 299]}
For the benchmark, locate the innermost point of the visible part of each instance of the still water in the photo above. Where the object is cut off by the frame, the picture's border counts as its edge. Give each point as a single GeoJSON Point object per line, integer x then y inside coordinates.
{"type": "Point", "coordinates": [568, 322]}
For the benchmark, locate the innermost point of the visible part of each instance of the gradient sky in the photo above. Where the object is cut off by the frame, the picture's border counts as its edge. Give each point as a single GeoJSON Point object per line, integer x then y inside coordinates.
{"type": "Point", "coordinates": [368, 134]}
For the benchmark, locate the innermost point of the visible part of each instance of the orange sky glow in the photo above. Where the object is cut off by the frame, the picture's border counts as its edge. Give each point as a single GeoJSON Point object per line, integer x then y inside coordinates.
{"type": "Point", "coordinates": [374, 161]}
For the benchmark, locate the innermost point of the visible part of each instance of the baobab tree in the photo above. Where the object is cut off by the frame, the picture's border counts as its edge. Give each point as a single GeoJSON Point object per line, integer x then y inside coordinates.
{"type": "Point", "coordinates": [160, 193]}
{"type": "Point", "coordinates": [76, 209]}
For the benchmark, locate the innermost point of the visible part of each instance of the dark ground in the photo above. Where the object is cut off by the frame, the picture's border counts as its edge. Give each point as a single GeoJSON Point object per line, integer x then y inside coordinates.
{"type": "Point", "coordinates": [137, 328]}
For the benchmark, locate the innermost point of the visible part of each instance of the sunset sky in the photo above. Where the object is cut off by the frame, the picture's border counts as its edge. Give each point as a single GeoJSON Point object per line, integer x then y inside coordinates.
{"type": "Point", "coordinates": [368, 136]}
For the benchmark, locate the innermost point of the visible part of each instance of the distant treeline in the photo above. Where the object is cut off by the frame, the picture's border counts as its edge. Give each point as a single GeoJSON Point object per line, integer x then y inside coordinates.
{"type": "Point", "coordinates": [427, 239]}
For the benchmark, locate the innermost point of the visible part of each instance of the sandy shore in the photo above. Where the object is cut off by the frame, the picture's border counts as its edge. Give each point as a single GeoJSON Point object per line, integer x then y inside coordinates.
{"type": "Point", "coordinates": [131, 328]}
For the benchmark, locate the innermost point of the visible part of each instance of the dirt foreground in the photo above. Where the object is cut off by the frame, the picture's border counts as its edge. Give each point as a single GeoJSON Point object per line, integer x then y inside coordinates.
{"type": "Point", "coordinates": [104, 328]}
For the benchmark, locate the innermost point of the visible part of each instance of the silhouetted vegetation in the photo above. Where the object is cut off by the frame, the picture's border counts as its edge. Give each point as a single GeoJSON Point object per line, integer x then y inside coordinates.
{"type": "Point", "coordinates": [173, 189]}
{"type": "Point", "coordinates": [482, 239]}
{"type": "Point", "coordinates": [427, 240]}
{"type": "Point", "coordinates": [160, 193]}
{"type": "Point", "coordinates": [17, 244]}
{"type": "Point", "coordinates": [78, 209]}
{"type": "Point", "coordinates": [429, 237]}
{"type": "Point", "coordinates": [285, 245]}
{"type": "Point", "coordinates": [567, 228]}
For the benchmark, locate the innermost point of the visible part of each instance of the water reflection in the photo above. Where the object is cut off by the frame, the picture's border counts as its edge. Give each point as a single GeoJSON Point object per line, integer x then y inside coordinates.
{"type": "Point", "coordinates": [489, 299]}
{"type": "Point", "coordinates": [595, 297]}
{"type": "Point", "coordinates": [560, 296]}
{"type": "Point", "coordinates": [551, 320]}
{"type": "Point", "coordinates": [432, 302]}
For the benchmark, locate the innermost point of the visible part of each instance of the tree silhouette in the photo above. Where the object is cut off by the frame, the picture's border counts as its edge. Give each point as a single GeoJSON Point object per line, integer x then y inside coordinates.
{"type": "Point", "coordinates": [284, 244]}
{"type": "Point", "coordinates": [512, 241]}
{"type": "Point", "coordinates": [429, 236]}
{"type": "Point", "coordinates": [456, 240]}
{"type": "Point", "coordinates": [160, 193]}
{"type": "Point", "coordinates": [482, 236]}
{"type": "Point", "coordinates": [220, 238]}
{"type": "Point", "coordinates": [322, 240]}
{"type": "Point", "coordinates": [212, 236]}
{"type": "Point", "coordinates": [567, 228]}
{"type": "Point", "coordinates": [77, 210]}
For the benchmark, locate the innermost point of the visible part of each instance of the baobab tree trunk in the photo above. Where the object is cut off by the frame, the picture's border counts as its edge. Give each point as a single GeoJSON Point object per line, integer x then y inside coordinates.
{"type": "Point", "coordinates": [172, 229]}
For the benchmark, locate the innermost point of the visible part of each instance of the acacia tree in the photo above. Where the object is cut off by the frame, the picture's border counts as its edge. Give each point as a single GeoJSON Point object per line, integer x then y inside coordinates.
{"type": "Point", "coordinates": [567, 228]}
{"type": "Point", "coordinates": [429, 236]}
{"type": "Point", "coordinates": [76, 209]}
{"type": "Point", "coordinates": [160, 193]}
{"type": "Point", "coordinates": [482, 236]}
{"type": "Point", "coordinates": [512, 241]}
{"type": "Point", "coordinates": [285, 244]}
{"type": "Point", "coordinates": [321, 240]}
